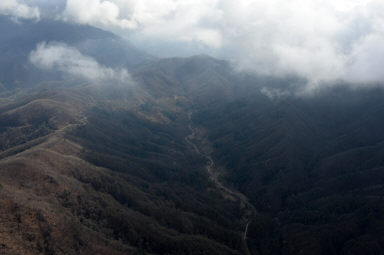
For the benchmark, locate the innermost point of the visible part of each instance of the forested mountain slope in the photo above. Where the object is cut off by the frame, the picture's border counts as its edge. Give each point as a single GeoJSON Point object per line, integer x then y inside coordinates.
{"type": "Point", "coordinates": [187, 156]}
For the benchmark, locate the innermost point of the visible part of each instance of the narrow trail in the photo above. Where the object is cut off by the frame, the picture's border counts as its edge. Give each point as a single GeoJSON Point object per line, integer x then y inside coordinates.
{"type": "Point", "coordinates": [214, 174]}
{"type": "Point", "coordinates": [80, 122]}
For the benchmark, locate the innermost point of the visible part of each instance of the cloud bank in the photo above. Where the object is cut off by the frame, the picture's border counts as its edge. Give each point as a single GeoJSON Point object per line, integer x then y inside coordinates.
{"type": "Point", "coordinates": [19, 9]}
{"type": "Point", "coordinates": [321, 40]}
{"type": "Point", "coordinates": [181, 20]}
{"type": "Point", "coordinates": [98, 13]}
{"type": "Point", "coordinates": [60, 57]}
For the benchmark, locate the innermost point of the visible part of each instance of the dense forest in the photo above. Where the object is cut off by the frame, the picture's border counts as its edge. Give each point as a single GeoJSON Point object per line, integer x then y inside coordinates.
{"type": "Point", "coordinates": [185, 156]}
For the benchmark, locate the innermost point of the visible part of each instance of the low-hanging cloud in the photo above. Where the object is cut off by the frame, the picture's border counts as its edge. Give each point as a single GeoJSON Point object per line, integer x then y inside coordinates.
{"type": "Point", "coordinates": [97, 12]}
{"type": "Point", "coordinates": [183, 21]}
{"type": "Point", "coordinates": [19, 9]}
{"type": "Point", "coordinates": [320, 40]}
{"type": "Point", "coordinates": [61, 57]}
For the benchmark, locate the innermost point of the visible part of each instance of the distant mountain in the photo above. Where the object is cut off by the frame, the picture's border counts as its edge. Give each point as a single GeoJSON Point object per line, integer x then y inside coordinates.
{"type": "Point", "coordinates": [20, 38]}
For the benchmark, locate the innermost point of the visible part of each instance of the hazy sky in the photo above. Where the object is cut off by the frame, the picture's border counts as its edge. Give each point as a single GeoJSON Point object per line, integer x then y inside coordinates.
{"type": "Point", "coordinates": [322, 40]}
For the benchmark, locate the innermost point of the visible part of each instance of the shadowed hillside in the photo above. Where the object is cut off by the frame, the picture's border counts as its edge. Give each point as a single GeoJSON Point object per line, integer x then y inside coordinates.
{"type": "Point", "coordinates": [183, 156]}
{"type": "Point", "coordinates": [116, 177]}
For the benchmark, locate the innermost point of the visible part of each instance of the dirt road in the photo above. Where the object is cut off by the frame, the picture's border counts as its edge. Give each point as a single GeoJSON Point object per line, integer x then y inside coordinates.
{"type": "Point", "coordinates": [214, 173]}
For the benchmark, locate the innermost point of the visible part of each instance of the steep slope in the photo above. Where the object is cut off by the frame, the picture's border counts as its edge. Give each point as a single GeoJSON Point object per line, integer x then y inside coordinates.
{"type": "Point", "coordinates": [89, 170]}
{"type": "Point", "coordinates": [192, 159]}
{"type": "Point", "coordinates": [312, 167]}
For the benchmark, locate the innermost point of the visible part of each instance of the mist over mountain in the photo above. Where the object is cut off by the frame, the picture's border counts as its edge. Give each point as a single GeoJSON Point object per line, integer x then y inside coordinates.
{"type": "Point", "coordinates": [18, 40]}
{"type": "Point", "coordinates": [321, 41]}
{"type": "Point", "coordinates": [107, 149]}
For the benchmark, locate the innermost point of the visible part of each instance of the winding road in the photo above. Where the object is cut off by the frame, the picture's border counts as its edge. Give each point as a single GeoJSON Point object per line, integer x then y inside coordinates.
{"type": "Point", "coordinates": [214, 174]}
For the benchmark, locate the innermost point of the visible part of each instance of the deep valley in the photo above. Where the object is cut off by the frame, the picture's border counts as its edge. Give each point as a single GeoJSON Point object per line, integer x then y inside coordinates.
{"type": "Point", "coordinates": [181, 156]}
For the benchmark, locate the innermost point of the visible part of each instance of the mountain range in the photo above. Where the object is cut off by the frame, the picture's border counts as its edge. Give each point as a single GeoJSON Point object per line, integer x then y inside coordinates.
{"type": "Point", "coordinates": [182, 156]}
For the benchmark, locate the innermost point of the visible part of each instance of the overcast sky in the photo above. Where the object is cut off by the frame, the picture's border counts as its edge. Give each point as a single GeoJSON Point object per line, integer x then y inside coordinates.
{"type": "Point", "coordinates": [322, 40]}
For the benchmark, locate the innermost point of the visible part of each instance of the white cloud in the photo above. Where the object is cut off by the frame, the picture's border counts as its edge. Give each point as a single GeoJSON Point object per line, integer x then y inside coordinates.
{"type": "Point", "coordinates": [176, 20]}
{"type": "Point", "coordinates": [321, 40]}
{"type": "Point", "coordinates": [366, 63]}
{"type": "Point", "coordinates": [96, 12]}
{"type": "Point", "coordinates": [60, 57]}
{"type": "Point", "coordinates": [18, 9]}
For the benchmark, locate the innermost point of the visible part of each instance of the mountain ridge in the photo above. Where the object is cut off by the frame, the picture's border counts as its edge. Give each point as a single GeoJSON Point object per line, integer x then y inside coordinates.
{"type": "Point", "coordinates": [151, 166]}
